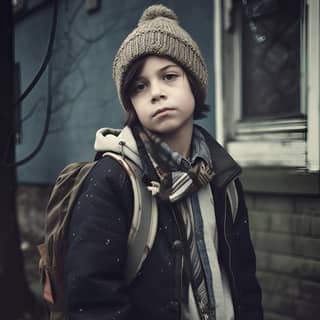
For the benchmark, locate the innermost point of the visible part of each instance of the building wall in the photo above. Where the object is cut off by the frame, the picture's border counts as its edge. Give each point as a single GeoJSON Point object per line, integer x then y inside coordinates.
{"type": "Point", "coordinates": [83, 92]}
{"type": "Point", "coordinates": [286, 235]}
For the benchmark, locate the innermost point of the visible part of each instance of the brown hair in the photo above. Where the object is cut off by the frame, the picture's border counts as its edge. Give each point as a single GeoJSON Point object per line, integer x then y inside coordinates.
{"type": "Point", "coordinates": [133, 72]}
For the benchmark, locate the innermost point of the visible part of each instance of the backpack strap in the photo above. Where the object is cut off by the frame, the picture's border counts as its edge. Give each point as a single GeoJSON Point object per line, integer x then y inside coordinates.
{"type": "Point", "coordinates": [144, 221]}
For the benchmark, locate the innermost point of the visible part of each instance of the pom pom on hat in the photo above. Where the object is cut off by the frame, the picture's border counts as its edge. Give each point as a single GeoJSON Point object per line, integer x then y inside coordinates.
{"type": "Point", "coordinates": [157, 11]}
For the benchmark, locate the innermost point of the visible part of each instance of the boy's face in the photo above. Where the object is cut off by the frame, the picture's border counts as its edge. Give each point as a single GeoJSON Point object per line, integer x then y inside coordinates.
{"type": "Point", "coordinates": [162, 97]}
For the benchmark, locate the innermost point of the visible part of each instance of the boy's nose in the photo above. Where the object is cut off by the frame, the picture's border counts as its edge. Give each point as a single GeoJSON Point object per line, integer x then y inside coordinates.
{"type": "Point", "coordinates": [156, 93]}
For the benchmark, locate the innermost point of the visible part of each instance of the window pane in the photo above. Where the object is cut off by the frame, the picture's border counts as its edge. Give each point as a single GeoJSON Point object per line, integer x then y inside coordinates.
{"type": "Point", "coordinates": [271, 60]}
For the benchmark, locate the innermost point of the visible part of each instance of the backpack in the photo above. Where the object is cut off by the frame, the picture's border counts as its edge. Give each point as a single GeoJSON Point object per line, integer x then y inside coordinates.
{"type": "Point", "coordinates": [142, 232]}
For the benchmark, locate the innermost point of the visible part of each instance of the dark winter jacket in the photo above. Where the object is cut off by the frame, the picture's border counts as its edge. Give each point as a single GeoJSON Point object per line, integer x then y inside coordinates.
{"type": "Point", "coordinates": [94, 267]}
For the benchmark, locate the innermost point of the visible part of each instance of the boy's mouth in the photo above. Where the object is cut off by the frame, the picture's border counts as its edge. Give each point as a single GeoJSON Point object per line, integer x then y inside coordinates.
{"type": "Point", "coordinates": [161, 110]}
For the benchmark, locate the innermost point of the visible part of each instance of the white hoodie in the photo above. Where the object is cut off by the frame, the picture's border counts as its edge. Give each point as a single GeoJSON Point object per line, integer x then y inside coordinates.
{"type": "Point", "coordinates": [118, 141]}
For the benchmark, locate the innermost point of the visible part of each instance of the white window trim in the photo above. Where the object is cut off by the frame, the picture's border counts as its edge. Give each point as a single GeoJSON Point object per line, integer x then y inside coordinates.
{"type": "Point", "coordinates": [218, 71]}
{"type": "Point", "coordinates": [313, 95]}
{"type": "Point", "coordinates": [293, 143]}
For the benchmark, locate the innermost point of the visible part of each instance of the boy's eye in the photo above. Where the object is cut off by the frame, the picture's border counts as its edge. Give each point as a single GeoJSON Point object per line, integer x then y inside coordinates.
{"type": "Point", "coordinates": [138, 87]}
{"type": "Point", "coordinates": [170, 76]}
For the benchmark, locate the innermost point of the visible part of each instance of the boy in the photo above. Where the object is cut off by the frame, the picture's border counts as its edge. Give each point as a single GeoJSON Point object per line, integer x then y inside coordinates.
{"type": "Point", "coordinates": [202, 263]}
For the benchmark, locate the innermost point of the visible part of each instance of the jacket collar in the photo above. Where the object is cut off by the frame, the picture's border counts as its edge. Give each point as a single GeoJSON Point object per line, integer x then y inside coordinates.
{"type": "Point", "coordinates": [224, 166]}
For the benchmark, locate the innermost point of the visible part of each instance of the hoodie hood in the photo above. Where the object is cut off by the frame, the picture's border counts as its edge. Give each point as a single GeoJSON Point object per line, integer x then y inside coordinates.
{"type": "Point", "coordinates": [123, 142]}
{"type": "Point", "coordinates": [118, 141]}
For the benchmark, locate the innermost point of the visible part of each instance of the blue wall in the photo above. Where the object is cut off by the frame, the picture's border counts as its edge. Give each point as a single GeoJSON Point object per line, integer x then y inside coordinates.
{"type": "Point", "coordinates": [84, 95]}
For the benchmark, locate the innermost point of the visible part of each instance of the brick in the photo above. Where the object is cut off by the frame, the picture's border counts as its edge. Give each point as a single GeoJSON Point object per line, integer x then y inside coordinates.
{"type": "Point", "coordinates": [310, 291]}
{"type": "Point", "coordinates": [254, 236]}
{"type": "Point", "coordinates": [250, 201]}
{"type": "Point", "coordinates": [263, 260]}
{"type": "Point", "coordinates": [274, 316]}
{"type": "Point", "coordinates": [315, 226]}
{"type": "Point", "coordinates": [278, 304]}
{"type": "Point", "coordinates": [308, 204]}
{"type": "Point", "coordinates": [301, 225]}
{"type": "Point", "coordinates": [301, 268]}
{"type": "Point", "coordinates": [276, 282]}
{"type": "Point", "coordinates": [307, 247]}
{"type": "Point", "coordinates": [275, 203]}
{"type": "Point", "coordinates": [281, 222]}
{"type": "Point", "coordinates": [289, 286]}
{"type": "Point", "coordinates": [276, 243]}
{"type": "Point", "coordinates": [259, 221]}
{"type": "Point", "coordinates": [287, 244]}
{"type": "Point", "coordinates": [291, 223]}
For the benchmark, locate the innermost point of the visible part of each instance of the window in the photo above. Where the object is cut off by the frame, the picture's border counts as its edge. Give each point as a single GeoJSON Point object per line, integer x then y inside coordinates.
{"type": "Point", "coordinates": [267, 82]}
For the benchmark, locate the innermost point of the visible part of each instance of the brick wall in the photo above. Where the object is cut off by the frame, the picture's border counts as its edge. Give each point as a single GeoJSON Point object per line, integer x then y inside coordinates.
{"type": "Point", "coordinates": [286, 234]}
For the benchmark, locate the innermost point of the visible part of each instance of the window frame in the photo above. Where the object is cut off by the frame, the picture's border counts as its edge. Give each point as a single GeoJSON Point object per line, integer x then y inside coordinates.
{"type": "Point", "coordinates": [296, 142]}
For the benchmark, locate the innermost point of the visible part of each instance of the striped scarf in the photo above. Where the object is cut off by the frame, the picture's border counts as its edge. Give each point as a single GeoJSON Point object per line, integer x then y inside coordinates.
{"type": "Point", "coordinates": [179, 179]}
{"type": "Point", "coordinates": [178, 176]}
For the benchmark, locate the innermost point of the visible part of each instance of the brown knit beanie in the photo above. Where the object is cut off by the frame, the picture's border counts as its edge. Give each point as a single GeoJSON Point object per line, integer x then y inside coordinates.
{"type": "Point", "coordinates": [159, 33]}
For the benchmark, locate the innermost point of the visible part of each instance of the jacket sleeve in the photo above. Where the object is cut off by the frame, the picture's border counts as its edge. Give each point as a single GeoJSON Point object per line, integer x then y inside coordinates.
{"type": "Point", "coordinates": [249, 291]}
{"type": "Point", "coordinates": [97, 245]}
